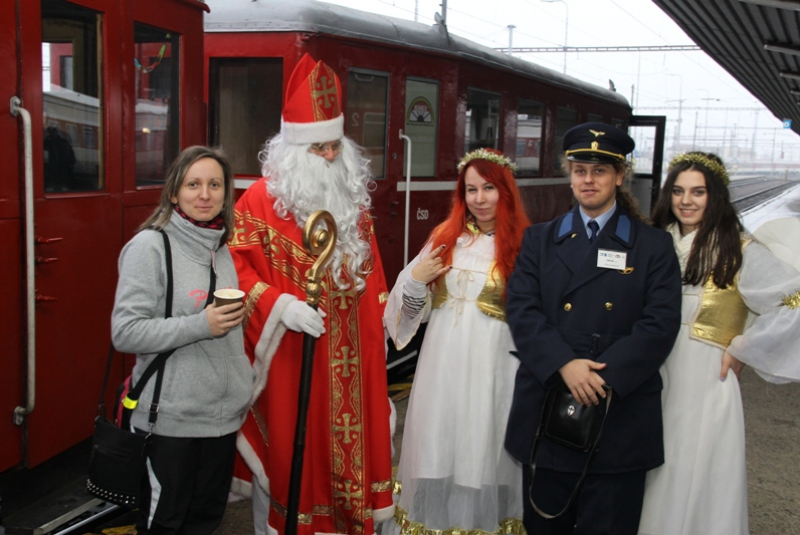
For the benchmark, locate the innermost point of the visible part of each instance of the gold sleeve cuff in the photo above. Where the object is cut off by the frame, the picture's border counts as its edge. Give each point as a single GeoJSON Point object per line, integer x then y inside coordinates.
{"type": "Point", "coordinates": [251, 300]}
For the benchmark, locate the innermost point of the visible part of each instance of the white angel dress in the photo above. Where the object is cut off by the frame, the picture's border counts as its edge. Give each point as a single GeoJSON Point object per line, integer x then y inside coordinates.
{"type": "Point", "coordinates": [454, 472]}
{"type": "Point", "coordinates": [702, 486]}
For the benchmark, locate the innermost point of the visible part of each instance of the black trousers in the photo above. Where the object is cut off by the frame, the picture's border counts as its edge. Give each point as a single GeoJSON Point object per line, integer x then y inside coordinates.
{"type": "Point", "coordinates": [186, 487]}
{"type": "Point", "coordinates": [608, 504]}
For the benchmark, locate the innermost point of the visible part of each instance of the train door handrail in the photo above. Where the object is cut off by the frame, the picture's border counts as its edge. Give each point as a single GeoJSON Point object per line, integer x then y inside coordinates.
{"type": "Point", "coordinates": [18, 111]}
{"type": "Point", "coordinates": [408, 195]}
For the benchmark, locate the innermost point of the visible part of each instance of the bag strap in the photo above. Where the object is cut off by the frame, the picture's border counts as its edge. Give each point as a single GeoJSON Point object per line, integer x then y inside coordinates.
{"type": "Point", "coordinates": [157, 364]}
{"type": "Point", "coordinates": [579, 485]}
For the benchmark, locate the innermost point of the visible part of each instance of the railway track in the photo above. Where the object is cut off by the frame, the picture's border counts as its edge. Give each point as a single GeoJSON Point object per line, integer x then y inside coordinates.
{"type": "Point", "coordinates": [751, 192]}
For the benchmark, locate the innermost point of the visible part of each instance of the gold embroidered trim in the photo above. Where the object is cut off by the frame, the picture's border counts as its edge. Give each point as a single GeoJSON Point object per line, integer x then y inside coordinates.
{"type": "Point", "coordinates": [383, 297]}
{"type": "Point", "coordinates": [509, 526]}
{"type": "Point", "coordinates": [303, 518]}
{"type": "Point", "coordinates": [260, 423]}
{"type": "Point", "coordinates": [792, 301]}
{"type": "Point", "coordinates": [250, 302]}
{"type": "Point", "coordinates": [382, 486]}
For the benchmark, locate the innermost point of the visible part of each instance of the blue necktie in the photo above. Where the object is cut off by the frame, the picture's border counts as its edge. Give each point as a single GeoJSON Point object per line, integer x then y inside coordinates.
{"type": "Point", "coordinates": [594, 227]}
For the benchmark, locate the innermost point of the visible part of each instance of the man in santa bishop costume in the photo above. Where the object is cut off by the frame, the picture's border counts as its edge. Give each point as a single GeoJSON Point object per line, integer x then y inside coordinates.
{"type": "Point", "coordinates": [310, 165]}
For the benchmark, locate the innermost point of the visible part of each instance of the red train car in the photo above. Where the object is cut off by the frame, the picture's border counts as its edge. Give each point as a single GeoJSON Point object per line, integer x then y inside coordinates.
{"type": "Point", "coordinates": [404, 83]}
{"type": "Point", "coordinates": [96, 99]}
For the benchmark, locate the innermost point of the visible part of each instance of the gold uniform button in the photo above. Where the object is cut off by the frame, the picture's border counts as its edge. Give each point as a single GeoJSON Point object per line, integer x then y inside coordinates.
{"type": "Point", "coordinates": [568, 307]}
{"type": "Point", "coordinates": [609, 306]}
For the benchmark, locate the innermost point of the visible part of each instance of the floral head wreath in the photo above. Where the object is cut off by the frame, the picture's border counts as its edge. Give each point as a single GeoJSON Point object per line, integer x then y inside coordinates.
{"type": "Point", "coordinates": [483, 154]}
{"type": "Point", "coordinates": [696, 157]}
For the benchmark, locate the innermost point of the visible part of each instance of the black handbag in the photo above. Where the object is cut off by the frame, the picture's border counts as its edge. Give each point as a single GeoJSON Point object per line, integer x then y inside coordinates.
{"type": "Point", "coordinates": [575, 426]}
{"type": "Point", "coordinates": [117, 461]}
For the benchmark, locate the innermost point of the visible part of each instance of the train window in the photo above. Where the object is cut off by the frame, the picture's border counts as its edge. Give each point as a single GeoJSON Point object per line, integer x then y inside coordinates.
{"type": "Point", "coordinates": [245, 99]}
{"type": "Point", "coordinates": [157, 89]}
{"type": "Point", "coordinates": [367, 109]}
{"type": "Point", "coordinates": [566, 118]}
{"type": "Point", "coordinates": [483, 119]}
{"type": "Point", "coordinates": [529, 136]}
{"type": "Point", "coordinates": [72, 100]}
{"type": "Point", "coordinates": [422, 119]}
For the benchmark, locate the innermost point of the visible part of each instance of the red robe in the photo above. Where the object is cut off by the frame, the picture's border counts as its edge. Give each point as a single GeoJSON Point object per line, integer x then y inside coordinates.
{"type": "Point", "coordinates": [346, 480]}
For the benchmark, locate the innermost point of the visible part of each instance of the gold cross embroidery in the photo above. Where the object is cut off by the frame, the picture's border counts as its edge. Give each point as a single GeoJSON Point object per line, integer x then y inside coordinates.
{"type": "Point", "coordinates": [327, 93]}
{"type": "Point", "coordinates": [342, 297]}
{"type": "Point", "coordinates": [346, 361]}
{"type": "Point", "coordinates": [348, 494]}
{"type": "Point", "coordinates": [238, 234]}
{"type": "Point", "coordinates": [347, 428]}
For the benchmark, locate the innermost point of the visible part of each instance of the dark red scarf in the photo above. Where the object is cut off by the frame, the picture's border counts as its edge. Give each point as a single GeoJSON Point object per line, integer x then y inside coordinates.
{"type": "Point", "coordinates": [218, 223]}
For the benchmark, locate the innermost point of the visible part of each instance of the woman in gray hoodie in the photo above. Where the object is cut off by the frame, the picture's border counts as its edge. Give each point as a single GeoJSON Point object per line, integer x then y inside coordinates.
{"type": "Point", "coordinates": [208, 380]}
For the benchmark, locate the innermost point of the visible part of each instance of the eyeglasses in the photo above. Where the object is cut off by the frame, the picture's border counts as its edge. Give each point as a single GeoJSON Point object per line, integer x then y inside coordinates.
{"type": "Point", "coordinates": [323, 148]}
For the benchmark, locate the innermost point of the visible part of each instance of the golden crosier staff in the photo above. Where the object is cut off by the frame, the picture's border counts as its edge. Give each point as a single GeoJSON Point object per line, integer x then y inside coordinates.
{"type": "Point", "coordinates": [320, 243]}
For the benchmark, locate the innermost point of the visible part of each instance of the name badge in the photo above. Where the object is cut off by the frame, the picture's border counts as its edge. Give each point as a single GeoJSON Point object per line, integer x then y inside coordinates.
{"type": "Point", "coordinates": [609, 259]}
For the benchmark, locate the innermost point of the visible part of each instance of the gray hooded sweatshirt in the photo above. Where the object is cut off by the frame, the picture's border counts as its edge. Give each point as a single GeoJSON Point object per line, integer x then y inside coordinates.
{"type": "Point", "coordinates": [208, 381]}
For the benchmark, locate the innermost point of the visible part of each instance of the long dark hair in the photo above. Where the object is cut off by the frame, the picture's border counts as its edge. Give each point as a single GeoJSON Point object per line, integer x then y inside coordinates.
{"type": "Point", "coordinates": [717, 248]}
{"type": "Point", "coordinates": [174, 180]}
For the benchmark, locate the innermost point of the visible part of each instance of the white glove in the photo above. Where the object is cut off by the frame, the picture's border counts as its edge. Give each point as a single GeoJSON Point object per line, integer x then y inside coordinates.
{"type": "Point", "coordinates": [299, 317]}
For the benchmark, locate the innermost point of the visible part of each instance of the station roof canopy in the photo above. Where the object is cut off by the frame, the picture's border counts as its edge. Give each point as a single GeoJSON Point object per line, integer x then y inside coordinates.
{"type": "Point", "coordinates": [756, 41]}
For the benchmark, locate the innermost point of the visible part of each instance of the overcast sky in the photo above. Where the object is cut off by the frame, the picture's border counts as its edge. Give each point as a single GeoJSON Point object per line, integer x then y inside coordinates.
{"type": "Point", "coordinates": [649, 80]}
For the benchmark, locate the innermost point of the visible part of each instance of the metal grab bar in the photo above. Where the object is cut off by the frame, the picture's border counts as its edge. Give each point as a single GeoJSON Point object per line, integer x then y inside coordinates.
{"type": "Point", "coordinates": [17, 110]}
{"type": "Point", "coordinates": [408, 195]}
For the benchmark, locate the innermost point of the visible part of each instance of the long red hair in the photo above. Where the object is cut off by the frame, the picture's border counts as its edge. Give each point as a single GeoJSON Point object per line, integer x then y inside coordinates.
{"type": "Point", "coordinates": [511, 218]}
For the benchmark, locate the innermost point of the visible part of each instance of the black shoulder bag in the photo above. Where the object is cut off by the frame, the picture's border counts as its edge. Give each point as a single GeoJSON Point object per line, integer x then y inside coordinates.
{"type": "Point", "coordinates": [117, 462]}
{"type": "Point", "coordinates": [570, 424]}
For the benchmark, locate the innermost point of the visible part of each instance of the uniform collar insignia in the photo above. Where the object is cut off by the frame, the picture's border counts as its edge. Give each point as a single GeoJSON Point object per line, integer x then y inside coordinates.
{"type": "Point", "coordinates": [623, 230]}
{"type": "Point", "coordinates": [565, 228]}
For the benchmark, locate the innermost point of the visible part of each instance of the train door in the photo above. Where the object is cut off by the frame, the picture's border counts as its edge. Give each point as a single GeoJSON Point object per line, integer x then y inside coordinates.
{"type": "Point", "coordinates": [11, 341]}
{"type": "Point", "coordinates": [367, 123]}
{"type": "Point", "coordinates": [75, 228]}
{"type": "Point", "coordinates": [92, 136]}
{"type": "Point", "coordinates": [648, 132]}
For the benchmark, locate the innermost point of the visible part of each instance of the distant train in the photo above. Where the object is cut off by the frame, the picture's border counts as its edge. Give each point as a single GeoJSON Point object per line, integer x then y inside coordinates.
{"type": "Point", "coordinates": [98, 97]}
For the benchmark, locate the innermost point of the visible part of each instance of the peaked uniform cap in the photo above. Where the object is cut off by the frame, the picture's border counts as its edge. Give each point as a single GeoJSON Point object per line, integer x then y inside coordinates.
{"type": "Point", "coordinates": [597, 143]}
{"type": "Point", "coordinates": [312, 112]}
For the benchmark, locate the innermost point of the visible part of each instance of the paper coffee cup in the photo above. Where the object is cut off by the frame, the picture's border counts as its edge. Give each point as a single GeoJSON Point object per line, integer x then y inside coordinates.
{"type": "Point", "coordinates": [228, 296]}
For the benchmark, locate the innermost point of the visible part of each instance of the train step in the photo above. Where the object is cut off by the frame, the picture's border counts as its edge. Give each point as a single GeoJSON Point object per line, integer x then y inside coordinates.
{"type": "Point", "coordinates": [51, 498]}
{"type": "Point", "coordinates": [62, 511]}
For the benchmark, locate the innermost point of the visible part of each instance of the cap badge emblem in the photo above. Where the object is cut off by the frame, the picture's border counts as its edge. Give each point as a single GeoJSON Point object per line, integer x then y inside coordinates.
{"type": "Point", "coordinates": [597, 133]}
{"type": "Point", "coordinates": [595, 145]}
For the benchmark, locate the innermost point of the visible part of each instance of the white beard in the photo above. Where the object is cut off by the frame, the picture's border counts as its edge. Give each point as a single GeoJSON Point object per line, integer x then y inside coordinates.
{"type": "Point", "coordinates": [302, 183]}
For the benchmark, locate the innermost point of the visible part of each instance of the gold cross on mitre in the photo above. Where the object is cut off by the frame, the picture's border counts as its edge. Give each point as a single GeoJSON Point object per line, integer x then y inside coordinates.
{"type": "Point", "coordinates": [325, 91]}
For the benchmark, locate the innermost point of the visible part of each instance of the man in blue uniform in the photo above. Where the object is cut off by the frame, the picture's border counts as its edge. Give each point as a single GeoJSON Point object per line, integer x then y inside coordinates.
{"type": "Point", "coordinates": [594, 300]}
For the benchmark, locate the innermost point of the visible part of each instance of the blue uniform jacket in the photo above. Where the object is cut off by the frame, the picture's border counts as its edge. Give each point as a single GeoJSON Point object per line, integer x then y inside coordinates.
{"type": "Point", "coordinates": [561, 306]}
